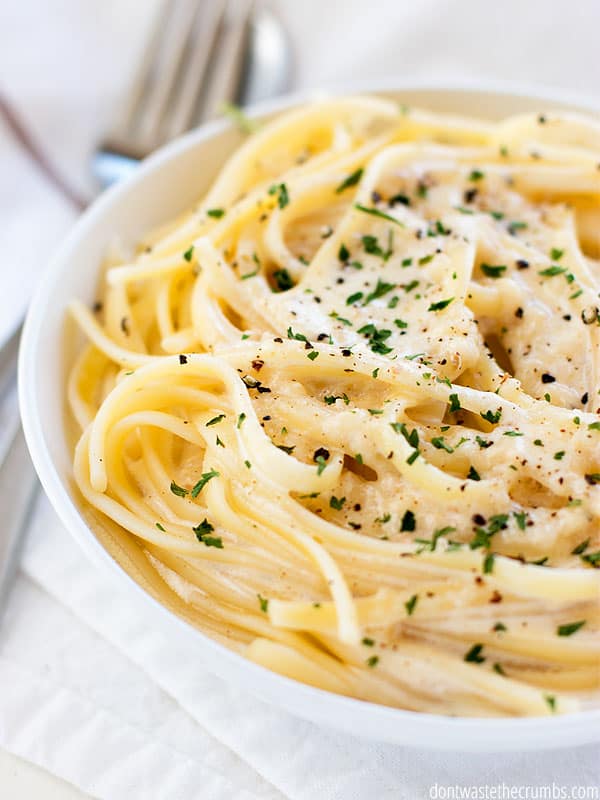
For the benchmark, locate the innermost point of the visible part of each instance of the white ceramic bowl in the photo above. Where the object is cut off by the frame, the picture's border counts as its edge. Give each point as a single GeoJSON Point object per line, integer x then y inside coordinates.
{"type": "Point", "coordinates": [164, 185]}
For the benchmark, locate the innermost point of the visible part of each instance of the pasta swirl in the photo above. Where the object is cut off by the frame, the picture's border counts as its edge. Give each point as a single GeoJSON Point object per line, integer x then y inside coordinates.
{"type": "Point", "coordinates": [348, 406]}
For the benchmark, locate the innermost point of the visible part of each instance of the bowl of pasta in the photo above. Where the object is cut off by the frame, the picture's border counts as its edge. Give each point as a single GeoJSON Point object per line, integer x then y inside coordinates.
{"type": "Point", "coordinates": [323, 393]}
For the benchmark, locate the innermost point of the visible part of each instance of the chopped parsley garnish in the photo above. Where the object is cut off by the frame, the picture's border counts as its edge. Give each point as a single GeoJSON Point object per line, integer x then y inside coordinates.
{"type": "Point", "coordinates": [263, 603]}
{"type": "Point", "coordinates": [570, 628]}
{"type": "Point", "coordinates": [283, 279]}
{"type": "Point", "coordinates": [368, 642]}
{"type": "Point", "coordinates": [515, 226]}
{"type": "Point", "coordinates": [375, 212]}
{"type": "Point", "coordinates": [406, 262]}
{"type": "Point", "coordinates": [493, 271]}
{"type": "Point", "coordinates": [513, 433]}
{"type": "Point", "coordinates": [330, 398]}
{"type": "Point", "coordinates": [351, 180]}
{"type": "Point", "coordinates": [580, 548]}
{"type": "Point", "coordinates": [426, 259]}
{"type": "Point", "coordinates": [216, 213]}
{"type": "Point", "coordinates": [592, 558]}
{"type": "Point", "coordinates": [441, 304]}
{"type": "Point", "coordinates": [280, 189]}
{"type": "Point", "coordinates": [372, 661]}
{"type": "Point", "coordinates": [160, 527]}
{"type": "Point", "coordinates": [354, 298]}
{"type": "Point", "coordinates": [376, 338]}
{"type": "Point", "coordinates": [550, 272]}
{"type": "Point", "coordinates": [202, 530]}
{"type": "Point", "coordinates": [215, 420]}
{"type": "Point", "coordinates": [178, 490]}
{"type": "Point", "coordinates": [410, 604]}
{"type": "Point", "coordinates": [594, 426]}
{"type": "Point", "coordinates": [300, 337]}
{"type": "Point", "coordinates": [483, 536]}
{"type": "Point", "coordinates": [412, 437]}
{"type": "Point", "coordinates": [321, 462]}
{"type": "Point", "coordinates": [380, 290]}
{"type": "Point", "coordinates": [556, 254]}
{"type": "Point", "coordinates": [440, 444]}
{"type": "Point", "coordinates": [488, 564]}
{"type": "Point", "coordinates": [520, 518]}
{"type": "Point", "coordinates": [483, 443]}
{"type": "Point", "coordinates": [551, 701]}
{"type": "Point", "coordinates": [474, 654]}
{"type": "Point", "coordinates": [454, 403]}
{"type": "Point", "coordinates": [431, 544]}
{"type": "Point", "coordinates": [206, 477]}
{"type": "Point", "coordinates": [476, 175]}
{"type": "Point", "coordinates": [336, 502]}
{"type": "Point", "coordinates": [472, 474]}
{"type": "Point", "coordinates": [189, 253]}
{"type": "Point", "coordinates": [499, 669]}
{"type": "Point", "coordinates": [558, 456]}
{"type": "Point", "coordinates": [312, 355]}
{"type": "Point", "coordinates": [492, 416]}
{"type": "Point", "coordinates": [343, 253]}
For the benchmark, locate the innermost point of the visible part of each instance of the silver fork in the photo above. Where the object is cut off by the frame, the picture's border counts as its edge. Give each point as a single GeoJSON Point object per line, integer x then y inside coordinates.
{"type": "Point", "coordinates": [202, 55]}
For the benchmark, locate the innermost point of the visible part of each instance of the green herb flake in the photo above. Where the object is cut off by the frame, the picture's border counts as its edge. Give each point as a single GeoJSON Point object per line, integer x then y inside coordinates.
{"type": "Point", "coordinates": [580, 548]}
{"type": "Point", "coordinates": [216, 213]}
{"type": "Point", "coordinates": [550, 272]}
{"type": "Point", "coordinates": [411, 604]}
{"type": "Point", "coordinates": [189, 253]}
{"type": "Point", "coordinates": [283, 279]}
{"type": "Point", "coordinates": [263, 603]}
{"type": "Point", "coordinates": [206, 477]}
{"type": "Point", "coordinates": [492, 416]}
{"type": "Point", "coordinates": [178, 490]}
{"type": "Point", "coordinates": [351, 180]}
{"type": "Point", "coordinates": [375, 212]}
{"type": "Point", "coordinates": [476, 175]}
{"type": "Point", "coordinates": [551, 701]}
{"type": "Point", "coordinates": [520, 518]}
{"type": "Point", "coordinates": [473, 655]}
{"type": "Point", "coordinates": [454, 403]}
{"type": "Point", "coordinates": [570, 628]}
{"type": "Point", "coordinates": [488, 564]}
{"type": "Point", "coordinates": [493, 271]}
{"type": "Point", "coordinates": [440, 305]}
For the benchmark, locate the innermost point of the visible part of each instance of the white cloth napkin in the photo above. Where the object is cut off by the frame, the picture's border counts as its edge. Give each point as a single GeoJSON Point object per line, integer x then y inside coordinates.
{"type": "Point", "coordinates": [88, 688]}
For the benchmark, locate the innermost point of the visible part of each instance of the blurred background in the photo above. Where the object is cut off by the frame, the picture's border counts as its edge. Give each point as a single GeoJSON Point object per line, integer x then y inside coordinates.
{"type": "Point", "coordinates": [66, 67]}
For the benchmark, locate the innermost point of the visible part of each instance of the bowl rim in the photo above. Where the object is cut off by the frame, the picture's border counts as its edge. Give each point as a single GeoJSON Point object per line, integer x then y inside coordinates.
{"type": "Point", "coordinates": [382, 723]}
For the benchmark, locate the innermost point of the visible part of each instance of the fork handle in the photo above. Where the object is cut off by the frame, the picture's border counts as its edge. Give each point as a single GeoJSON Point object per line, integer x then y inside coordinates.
{"type": "Point", "coordinates": [18, 487]}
